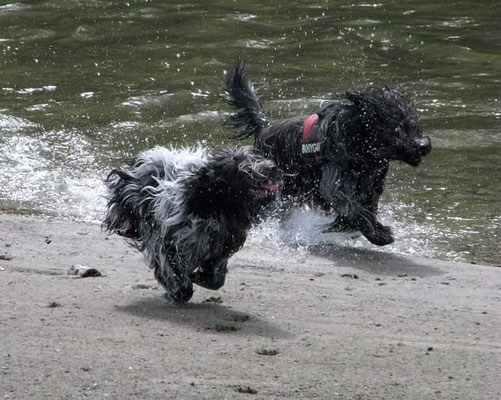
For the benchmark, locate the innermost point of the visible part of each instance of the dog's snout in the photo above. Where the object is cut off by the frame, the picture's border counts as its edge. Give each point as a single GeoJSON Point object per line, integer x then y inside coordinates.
{"type": "Point", "coordinates": [424, 145]}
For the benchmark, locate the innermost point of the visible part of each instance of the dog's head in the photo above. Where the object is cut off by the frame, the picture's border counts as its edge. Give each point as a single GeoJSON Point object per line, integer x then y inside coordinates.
{"type": "Point", "coordinates": [391, 127]}
{"type": "Point", "coordinates": [234, 181]}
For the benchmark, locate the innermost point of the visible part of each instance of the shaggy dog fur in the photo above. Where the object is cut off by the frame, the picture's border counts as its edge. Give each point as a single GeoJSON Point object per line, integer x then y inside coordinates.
{"type": "Point", "coordinates": [189, 210]}
{"type": "Point", "coordinates": [340, 161]}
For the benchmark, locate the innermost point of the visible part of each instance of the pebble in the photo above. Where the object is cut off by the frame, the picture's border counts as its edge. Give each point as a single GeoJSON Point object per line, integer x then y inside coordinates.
{"type": "Point", "coordinates": [83, 272]}
{"type": "Point", "coordinates": [353, 276]}
{"type": "Point", "coordinates": [5, 257]}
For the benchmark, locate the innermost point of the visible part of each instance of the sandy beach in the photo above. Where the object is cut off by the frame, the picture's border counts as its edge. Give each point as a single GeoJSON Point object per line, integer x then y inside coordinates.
{"type": "Point", "coordinates": [333, 323]}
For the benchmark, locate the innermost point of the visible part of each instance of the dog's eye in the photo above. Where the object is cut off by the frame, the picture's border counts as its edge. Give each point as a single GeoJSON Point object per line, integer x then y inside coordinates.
{"type": "Point", "coordinates": [412, 126]}
{"type": "Point", "coordinates": [416, 127]}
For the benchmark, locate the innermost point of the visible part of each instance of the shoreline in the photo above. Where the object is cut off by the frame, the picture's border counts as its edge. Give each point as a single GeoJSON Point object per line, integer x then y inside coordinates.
{"type": "Point", "coordinates": [330, 323]}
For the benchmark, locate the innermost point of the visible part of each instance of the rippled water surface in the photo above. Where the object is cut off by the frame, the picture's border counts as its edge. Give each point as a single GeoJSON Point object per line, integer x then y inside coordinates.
{"type": "Point", "coordinates": [84, 84]}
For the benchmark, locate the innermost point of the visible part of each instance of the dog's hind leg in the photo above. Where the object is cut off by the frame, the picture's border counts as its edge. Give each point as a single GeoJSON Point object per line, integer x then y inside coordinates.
{"type": "Point", "coordinates": [212, 275]}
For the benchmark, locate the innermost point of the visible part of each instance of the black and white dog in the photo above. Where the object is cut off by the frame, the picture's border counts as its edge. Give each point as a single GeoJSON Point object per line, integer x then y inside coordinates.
{"type": "Point", "coordinates": [189, 210]}
{"type": "Point", "coordinates": [338, 158]}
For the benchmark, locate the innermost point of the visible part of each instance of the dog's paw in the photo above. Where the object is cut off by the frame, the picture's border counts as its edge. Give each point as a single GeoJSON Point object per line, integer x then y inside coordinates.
{"type": "Point", "coordinates": [181, 295]}
{"type": "Point", "coordinates": [381, 236]}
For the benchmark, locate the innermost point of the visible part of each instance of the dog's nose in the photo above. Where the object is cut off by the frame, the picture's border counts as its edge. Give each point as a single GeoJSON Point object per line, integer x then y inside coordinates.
{"type": "Point", "coordinates": [424, 145]}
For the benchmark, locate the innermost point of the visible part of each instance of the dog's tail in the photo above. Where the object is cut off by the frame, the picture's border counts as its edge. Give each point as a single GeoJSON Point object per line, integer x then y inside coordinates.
{"type": "Point", "coordinates": [249, 116]}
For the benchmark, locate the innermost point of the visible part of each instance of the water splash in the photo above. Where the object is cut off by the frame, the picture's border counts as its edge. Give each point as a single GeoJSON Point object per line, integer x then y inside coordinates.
{"type": "Point", "coordinates": [303, 229]}
{"type": "Point", "coordinates": [37, 180]}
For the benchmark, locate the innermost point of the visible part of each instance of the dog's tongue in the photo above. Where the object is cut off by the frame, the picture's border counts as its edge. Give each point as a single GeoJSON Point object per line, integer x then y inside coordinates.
{"type": "Point", "coordinates": [272, 187]}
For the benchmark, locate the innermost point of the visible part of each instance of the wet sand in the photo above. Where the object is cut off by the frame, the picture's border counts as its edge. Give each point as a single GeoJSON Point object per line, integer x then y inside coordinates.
{"type": "Point", "coordinates": [332, 323]}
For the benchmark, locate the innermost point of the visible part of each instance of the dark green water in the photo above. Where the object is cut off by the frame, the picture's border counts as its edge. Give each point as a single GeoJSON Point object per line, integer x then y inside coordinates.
{"type": "Point", "coordinates": [85, 83]}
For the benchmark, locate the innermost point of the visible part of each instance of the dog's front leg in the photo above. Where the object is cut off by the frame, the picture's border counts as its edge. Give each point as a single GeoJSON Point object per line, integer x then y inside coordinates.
{"type": "Point", "coordinates": [372, 229]}
{"type": "Point", "coordinates": [211, 275]}
{"type": "Point", "coordinates": [341, 189]}
{"type": "Point", "coordinates": [211, 247]}
{"type": "Point", "coordinates": [370, 187]}
{"type": "Point", "coordinates": [172, 276]}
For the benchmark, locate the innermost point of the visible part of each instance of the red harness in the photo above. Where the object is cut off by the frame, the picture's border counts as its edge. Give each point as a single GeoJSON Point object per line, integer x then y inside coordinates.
{"type": "Point", "coordinates": [307, 125]}
{"type": "Point", "coordinates": [313, 139]}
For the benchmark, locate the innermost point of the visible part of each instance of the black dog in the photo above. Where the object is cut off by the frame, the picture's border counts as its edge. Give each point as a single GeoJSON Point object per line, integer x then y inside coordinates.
{"type": "Point", "coordinates": [338, 158]}
{"type": "Point", "coordinates": [189, 210]}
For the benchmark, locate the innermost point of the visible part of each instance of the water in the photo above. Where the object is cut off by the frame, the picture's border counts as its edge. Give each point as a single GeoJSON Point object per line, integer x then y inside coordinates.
{"type": "Point", "coordinates": [84, 84]}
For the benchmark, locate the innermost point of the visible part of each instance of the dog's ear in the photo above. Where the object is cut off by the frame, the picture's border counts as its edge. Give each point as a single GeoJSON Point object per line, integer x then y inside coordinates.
{"type": "Point", "coordinates": [201, 182]}
{"type": "Point", "coordinates": [365, 103]}
{"type": "Point", "coordinates": [357, 98]}
{"type": "Point", "coordinates": [200, 191]}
